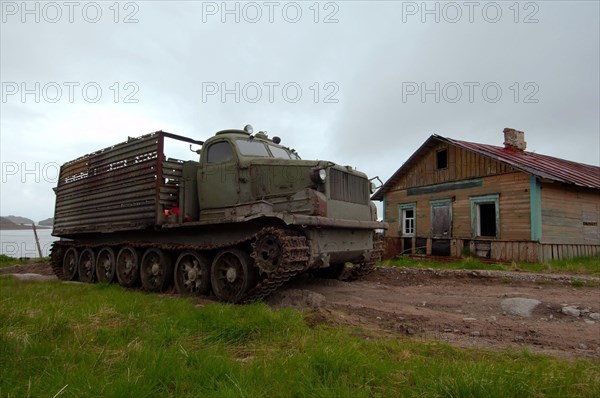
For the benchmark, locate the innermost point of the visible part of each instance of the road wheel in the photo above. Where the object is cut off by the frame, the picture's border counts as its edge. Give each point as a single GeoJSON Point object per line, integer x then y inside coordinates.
{"type": "Point", "coordinates": [70, 264]}
{"type": "Point", "coordinates": [105, 265]}
{"type": "Point", "coordinates": [267, 252]}
{"type": "Point", "coordinates": [156, 270]}
{"type": "Point", "coordinates": [192, 273]}
{"type": "Point", "coordinates": [232, 275]}
{"type": "Point", "coordinates": [87, 266]}
{"type": "Point", "coordinates": [128, 267]}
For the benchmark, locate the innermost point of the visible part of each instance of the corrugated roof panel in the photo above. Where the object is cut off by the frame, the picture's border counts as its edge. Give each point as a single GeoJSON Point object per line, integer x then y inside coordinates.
{"type": "Point", "coordinates": [542, 166]}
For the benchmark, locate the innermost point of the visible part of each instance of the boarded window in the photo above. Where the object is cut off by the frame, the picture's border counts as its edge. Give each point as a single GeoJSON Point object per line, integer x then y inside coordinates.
{"type": "Point", "coordinates": [441, 218]}
{"type": "Point", "coordinates": [591, 231]}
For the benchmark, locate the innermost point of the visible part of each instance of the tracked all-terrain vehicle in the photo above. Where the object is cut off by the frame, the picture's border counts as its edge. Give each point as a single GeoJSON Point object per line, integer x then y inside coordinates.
{"type": "Point", "coordinates": [240, 222]}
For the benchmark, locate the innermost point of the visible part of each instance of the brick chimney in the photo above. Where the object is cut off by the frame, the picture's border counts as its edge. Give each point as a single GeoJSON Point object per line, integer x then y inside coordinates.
{"type": "Point", "coordinates": [514, 139]}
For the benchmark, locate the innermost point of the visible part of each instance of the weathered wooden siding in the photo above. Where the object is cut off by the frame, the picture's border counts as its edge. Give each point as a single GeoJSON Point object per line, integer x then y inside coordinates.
{"type": "Point", "coordinates": [462, 165]}
{"type": "Point", "coordinates": [569, 216]}
{"type": "Point", "coordinates": [560, 252]}
{"type": "Point", "coordinates": [513, 191]}
{"type": "Point", "coordinates": [522, 251]}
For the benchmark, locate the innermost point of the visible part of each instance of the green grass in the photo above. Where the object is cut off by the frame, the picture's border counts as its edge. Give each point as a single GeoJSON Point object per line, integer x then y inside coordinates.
{"type": "Point", "coordinates": [580, 265]}
{"type": "Point", "coordinates": [7, 261]}
{"type": "Point", "coordinates": [76, 340]}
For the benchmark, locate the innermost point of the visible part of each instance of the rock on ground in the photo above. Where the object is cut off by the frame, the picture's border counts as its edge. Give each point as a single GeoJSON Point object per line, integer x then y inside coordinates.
{"type": "Point", "coordinates": [33, 277]}
{"type": "Point", "coordinates": [299, 298]}
{"type": "Point", "coordinates": [520, 306]}
{"type": "Point", "coordinates": [572, 311]}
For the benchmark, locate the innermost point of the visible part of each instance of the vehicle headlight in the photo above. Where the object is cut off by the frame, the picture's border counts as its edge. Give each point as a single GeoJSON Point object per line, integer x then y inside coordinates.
{"type": "Point", "coordinates": [319, 176]}
{"type": "Point", "coordinates": [372, 187]}
{"type": "Point", "coordinates": [322, 175]}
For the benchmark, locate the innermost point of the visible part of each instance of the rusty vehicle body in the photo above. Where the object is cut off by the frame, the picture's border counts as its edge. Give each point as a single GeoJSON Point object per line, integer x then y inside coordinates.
{"type": "Point", "coordinates": [240, 222]}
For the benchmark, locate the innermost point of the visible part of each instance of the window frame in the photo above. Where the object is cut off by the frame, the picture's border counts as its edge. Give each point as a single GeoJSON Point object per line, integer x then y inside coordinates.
{"type": "Point", "coordinates": [476, 217]}
{"type": "Point", "coordinates": [402, 208]}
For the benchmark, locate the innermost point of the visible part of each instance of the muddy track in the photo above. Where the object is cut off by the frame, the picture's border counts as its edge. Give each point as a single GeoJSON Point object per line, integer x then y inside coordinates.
{"type": "Point", "coordinates": [461, 307]}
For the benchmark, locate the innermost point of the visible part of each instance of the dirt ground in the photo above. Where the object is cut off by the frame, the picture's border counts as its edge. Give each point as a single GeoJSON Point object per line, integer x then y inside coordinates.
{"type": "Point", "coordinates": [463, 308]}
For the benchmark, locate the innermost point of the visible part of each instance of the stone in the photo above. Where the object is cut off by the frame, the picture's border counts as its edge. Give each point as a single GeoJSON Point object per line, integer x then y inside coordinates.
{"type": "Point", "coordinates": [595, 316]}
{"type": "Point", "coordinates": [520, 306]}
{"type": "Point", "coordinates": [571, 311]}
{"type": "Point", "coordinates": [297, 298]}
{"type": "Point", "coordinates": [34, 277]}
{"type": "Point", "coordinates": [583, 346]}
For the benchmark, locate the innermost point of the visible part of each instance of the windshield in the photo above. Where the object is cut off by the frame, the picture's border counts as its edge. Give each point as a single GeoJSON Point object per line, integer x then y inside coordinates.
{"type": "Point", "coordinates": [279, 152]}
{"type": "Point", "coordinates": [258, 148]}
{"type": "Point", "coordinates": [252, 148]}
{"type": "Point", "coordinates": [283, 153]}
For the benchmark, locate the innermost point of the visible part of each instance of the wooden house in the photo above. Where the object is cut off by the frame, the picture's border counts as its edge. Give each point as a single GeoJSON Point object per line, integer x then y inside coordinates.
{"type": "Point", "coordinates": [452, 198]}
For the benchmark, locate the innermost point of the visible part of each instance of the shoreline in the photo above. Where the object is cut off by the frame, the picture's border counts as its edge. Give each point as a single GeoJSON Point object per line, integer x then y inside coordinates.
{"type": "Point", "coordinates": [21, 227]}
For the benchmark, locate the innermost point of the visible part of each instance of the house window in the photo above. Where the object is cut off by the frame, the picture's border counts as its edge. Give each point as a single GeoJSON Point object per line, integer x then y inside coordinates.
{"type": "Point", "coordinates": [441, 159]}
{"type": "Point", "coordinates": [485, 216]}
{"type": "Point", "coordinates": [407, 219]}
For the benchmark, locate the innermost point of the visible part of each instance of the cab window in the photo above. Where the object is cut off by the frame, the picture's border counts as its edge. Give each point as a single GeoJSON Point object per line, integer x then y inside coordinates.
{"type": "Point", "coordinates": [252, 148]}
{"type": "Point", "coordinates": [219, 152]}
{"type": "Point", "coordinates": [279, 152]}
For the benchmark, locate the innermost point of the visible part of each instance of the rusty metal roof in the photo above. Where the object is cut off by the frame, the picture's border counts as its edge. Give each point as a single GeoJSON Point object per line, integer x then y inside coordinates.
{"type": "Point", "coordinates": [542, 166]}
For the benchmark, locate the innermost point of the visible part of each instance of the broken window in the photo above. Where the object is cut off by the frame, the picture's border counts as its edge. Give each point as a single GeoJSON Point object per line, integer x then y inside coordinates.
{"type": "Point", "coordinates": [487, 219]}
{"type": "Point", "coordinates": [441, 159]}
{"type": "Point", "coordinates": [485, 215]}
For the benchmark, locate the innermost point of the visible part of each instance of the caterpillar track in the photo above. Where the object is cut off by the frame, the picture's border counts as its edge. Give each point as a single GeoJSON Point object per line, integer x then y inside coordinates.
{"type": "Point", "coordinates": [293, 257]}
{"type": "Point", "coordinates": [277, 254]}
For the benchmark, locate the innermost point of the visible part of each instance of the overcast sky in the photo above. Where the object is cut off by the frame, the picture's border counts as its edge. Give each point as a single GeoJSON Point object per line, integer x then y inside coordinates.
{"type": "Point", "coordinates": [362, 83]}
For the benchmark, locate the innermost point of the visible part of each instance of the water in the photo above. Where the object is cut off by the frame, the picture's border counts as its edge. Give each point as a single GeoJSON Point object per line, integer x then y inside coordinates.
{"type": "Point", "coordinates": [21, 242]}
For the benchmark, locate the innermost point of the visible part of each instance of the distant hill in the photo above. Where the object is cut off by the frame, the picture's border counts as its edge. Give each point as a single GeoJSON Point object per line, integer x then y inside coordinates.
{"type": "Point", "coordinates": [48, 222]}
{"type": "Point", "coordinates": [19, 220]}
{"type": "Point", "coordinates": [5, 222]}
